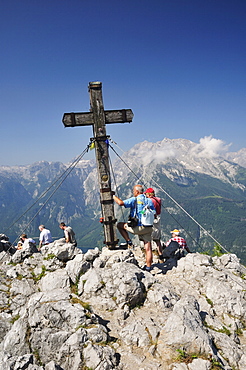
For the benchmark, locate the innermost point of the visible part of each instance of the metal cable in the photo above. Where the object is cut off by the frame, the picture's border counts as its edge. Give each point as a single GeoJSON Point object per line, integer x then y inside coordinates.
{"type": "Point", "coordinates": [46, 191]}
{"type": "Point", "coordinates": [164, 191]}
{"type": "Point", "coordinates": [116, 188]}
{"type": "Point", "coordinates": [67, 172]}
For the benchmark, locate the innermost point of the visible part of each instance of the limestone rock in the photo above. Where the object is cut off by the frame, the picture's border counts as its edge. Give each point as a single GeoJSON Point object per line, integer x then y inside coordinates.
{"type": "Point", "coordinates": [162, 296]}
{"type": "Point", "coordinates": [61, 250]}
{"type": "Point", "coordinates": [111, 287]}
{"type": "Point", "coordinates": [99, 357]}
{"type": "Point", "coordinates": [62, 309]}
{"type": "Point", "coordinates": [77, 266]}
{"type": "Point", "coordinates": [58, 279]}
{"type": "Point", "coordinates": [23, 253]}
{"type": "Point", "coordinates": [184, 328]}
{"type": "Point", "coordinates": [91, 255]}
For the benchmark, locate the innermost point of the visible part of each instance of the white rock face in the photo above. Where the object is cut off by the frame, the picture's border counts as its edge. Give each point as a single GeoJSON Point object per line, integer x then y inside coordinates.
{"type": "Point", "coordinates": [65, 310]}
{"type": "Point", "coordinates": [181, 158]}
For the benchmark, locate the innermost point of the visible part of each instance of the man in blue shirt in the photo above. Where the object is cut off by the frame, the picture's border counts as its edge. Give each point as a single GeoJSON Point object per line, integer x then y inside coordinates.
{"type": "Point", "coordinates": [136, 205]}
{"type": "Point", "coordinates": [44, 237]}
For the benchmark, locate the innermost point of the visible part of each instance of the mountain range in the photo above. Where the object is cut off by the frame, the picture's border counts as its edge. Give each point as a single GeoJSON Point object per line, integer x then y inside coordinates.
{"type": "Point", "coordinates": [203, 179]}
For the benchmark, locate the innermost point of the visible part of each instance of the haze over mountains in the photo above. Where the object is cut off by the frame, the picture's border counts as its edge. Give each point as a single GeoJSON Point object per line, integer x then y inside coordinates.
{"type": "Point", "coordinates": [205, 179]}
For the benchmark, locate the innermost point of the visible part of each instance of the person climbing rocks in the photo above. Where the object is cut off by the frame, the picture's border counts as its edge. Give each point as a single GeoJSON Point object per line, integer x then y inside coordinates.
{"type": "Point", "coordinates": [137, 204]}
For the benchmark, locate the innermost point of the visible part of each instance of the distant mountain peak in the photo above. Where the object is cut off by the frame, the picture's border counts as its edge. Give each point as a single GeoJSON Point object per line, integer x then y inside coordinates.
{"type": "Point", "coordinates": [181, 155]}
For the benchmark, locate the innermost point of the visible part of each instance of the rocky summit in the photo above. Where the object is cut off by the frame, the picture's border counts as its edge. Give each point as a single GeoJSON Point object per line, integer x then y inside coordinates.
{"type": "Point", "coordinates": [61, 309]}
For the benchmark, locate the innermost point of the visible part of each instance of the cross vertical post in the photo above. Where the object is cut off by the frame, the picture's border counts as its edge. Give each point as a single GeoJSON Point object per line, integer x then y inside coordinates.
{"type": "Point", "coordinates": [98, 118]}
{"type": "Point", "coordinates": [102, 160]}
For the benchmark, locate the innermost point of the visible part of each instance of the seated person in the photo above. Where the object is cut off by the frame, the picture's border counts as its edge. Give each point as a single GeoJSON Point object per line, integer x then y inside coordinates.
{"type": "Point", "coordinates": [175, 243]}
{"type": "Point", "coordinates": [27, 241]}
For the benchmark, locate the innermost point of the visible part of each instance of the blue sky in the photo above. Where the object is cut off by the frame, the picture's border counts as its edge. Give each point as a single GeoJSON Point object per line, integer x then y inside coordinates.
{"type": "Point", "coordinates": [180, 65]}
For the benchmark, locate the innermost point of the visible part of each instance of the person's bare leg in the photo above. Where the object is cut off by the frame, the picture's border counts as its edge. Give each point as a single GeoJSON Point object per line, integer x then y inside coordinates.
{"type": "Point", "coordinates": [159, 247]}
{"type": "Point", "coordinates": [123, 232]}
{"type": "Point", "coordinates": [148, 253]}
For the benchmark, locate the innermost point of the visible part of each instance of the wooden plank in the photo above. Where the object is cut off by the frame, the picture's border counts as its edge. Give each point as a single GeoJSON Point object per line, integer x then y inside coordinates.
{"type": "Point", "coordinates": [118, 116]}
{"type": "Point", "coordinates": [77, 119]}
{"type": "Point", "coordinates": [103, 168]}
{"type": "Point", "coordinates": [86, 118]}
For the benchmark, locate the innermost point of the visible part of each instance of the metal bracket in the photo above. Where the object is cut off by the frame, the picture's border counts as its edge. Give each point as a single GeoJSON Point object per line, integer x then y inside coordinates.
{"type": "Point", "coordinates": [107, 201]}
{"type": "Point", "coordinates": [110, 222]}
{"type": "Point", "coordinates": [105, 190]}
{"type": "Point", "coordinates": [73, 122]}
{"type": "Point", "coordinates": [100, 138]}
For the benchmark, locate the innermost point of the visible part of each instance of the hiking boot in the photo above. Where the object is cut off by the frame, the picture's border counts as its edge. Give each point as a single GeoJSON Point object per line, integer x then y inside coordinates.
{"type": "Point", "coordinates": [130, 245]}
{"type": "Point", "coordinates": [147, 268]}
{"type": "Point", "coordinates": [126, 244]}
{"type": "Point", "coordinates": [123, 245]}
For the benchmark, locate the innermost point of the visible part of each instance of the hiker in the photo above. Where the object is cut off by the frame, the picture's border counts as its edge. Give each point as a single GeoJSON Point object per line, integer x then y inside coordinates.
{"type": "Point", "coordinates": [19, 245]}
{"type": "Point", "coordinates": [137, 205]}
{"type": "Point", "coordinates": [68, 233]}
{"type": "Point", "coordinates": [175, 243]}
{"type": "Point", "coordinates": [156, 233]}
{"type": "Point", "coordinates": [44, 237]}
{"type": "Point", "coordinates": [26, 242]}
{"type": "Point", "coordinates": [5, 244]}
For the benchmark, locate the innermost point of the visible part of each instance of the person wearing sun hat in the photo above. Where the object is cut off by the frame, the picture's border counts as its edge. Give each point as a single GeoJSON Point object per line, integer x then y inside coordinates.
{"type": "Point", "coordinates": [177, 238]}
{"type": "Point", "coordinates": [156, 233]}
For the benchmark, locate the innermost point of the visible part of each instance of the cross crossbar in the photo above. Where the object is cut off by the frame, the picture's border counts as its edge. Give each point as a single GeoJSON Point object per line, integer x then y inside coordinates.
{"type": "Point", "coordinates": [86, 118]}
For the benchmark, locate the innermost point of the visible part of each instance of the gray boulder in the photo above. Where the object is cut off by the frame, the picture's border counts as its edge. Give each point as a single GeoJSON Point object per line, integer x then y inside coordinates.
{"type": "Point", "coordinates": [77, 266]}
{"type": "Point", "coordinates": [184, 328]}
{"type": "Point", "coordinates": [111, 287]}
{"type": "Point", "coordinates": [99, 357]}
{"type": "Point", "coordinates": [61, 250]}
{"type": "Point", "coordinates": [57, 279]}
{"type": "Point", "coordinates": [23, 253]}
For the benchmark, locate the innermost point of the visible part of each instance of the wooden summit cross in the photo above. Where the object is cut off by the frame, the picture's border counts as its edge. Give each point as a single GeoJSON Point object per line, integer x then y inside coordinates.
{"type": "Point", "coordinates": [98, 118]}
